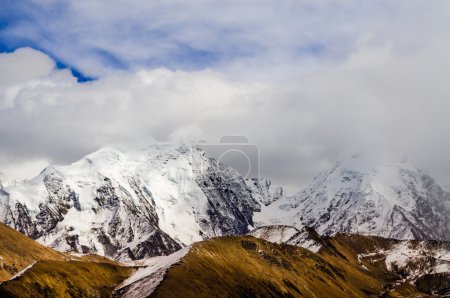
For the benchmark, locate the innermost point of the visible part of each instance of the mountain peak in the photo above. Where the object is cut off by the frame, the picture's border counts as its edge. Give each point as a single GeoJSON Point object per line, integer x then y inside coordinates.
{"type": "Point", "coordinates": [131, 202]}
{"type": "Point", "coordinates": [396, 200]}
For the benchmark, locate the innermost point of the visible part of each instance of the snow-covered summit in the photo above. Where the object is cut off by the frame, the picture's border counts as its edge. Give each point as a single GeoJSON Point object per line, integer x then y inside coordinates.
{"type": "Point", "coordinates": [396, 200]}
{"type": "Point", "coordinates": [131, 202]}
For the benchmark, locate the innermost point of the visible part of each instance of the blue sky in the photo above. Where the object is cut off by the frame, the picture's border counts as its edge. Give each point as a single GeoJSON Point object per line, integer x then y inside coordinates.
{"type": "Point", "coordinates": [309, 81]}
{"type": "Point", "coordinates": [96, 37]}
{"type": "Point", "coordinates": [16, 13]}
{"type": "Point", "coordinates": [29, 24]}
{"type": "Point", "coordinates": [296, 37]}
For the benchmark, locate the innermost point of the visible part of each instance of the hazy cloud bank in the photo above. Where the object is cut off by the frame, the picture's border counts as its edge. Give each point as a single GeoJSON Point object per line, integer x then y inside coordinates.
{"type": "Point", "coordinates": [377, 103]}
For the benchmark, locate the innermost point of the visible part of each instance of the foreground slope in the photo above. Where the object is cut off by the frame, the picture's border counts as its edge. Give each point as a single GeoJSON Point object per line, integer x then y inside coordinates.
{"type": "Point", "coordinates": [400, 264]}
{"type": "Point", "coordinates": [246, 267]}
{"type": "Point", "coordinates": [66, 279]}
{"type": "Point", "coordinates": [392, 200]}
{"type": "Point", "coordinates": [29, 269]}
{"type": "Point", "coordinates": [18, 251]}
{"type": "Point", "coordinates": [235, 266]}
{"type": "Point", "coordinates": [344, 266]}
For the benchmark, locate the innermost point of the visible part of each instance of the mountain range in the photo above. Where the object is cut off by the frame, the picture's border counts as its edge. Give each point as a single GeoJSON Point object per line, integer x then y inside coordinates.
{"type": "Point", "coordinates": [128, 203]}
{"type": "Point", "coordinates": [365, 229]}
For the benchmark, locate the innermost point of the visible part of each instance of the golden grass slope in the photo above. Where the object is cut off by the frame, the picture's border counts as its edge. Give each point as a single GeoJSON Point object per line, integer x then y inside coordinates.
{"type": "Point", "coordinates": [248, 267]}
{"type": "Point", "coordinates": [243, 266]}
{"type": "Point", "coordinates": [66, 279]}
{"type": "Point", "coordinates": [53, 274]}
{"type": "Point", "coordinates": [17, 251]}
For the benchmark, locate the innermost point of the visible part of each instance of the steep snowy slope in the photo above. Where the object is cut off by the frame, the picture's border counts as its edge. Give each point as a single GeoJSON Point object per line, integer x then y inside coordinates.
{"type": "Point", "coordinates": [263, 190]}
{"type": "Point", "coordinates": [131, 203]}
{"type": "Point", "coordinates": [390, 200]}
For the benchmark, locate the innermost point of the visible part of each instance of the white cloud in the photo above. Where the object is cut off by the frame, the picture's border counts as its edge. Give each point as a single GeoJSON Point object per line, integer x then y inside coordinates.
{"type": "Point", "coordinates": [309, 81]}
{"type": "Point", "coordinates": [377, 102]}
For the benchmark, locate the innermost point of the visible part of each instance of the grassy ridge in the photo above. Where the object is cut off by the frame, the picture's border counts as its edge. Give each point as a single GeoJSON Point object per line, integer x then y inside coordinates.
{"type": "Point", "coordinates": [17, 251]}
{"type": "Point", "coordinates": [66, 279]}
{"type": "Point", "coordinates": [243, 266]}
{"type": "Point", "coordinates": [249, 267]}
{"type": "Point", "coordinates": [54, 274]}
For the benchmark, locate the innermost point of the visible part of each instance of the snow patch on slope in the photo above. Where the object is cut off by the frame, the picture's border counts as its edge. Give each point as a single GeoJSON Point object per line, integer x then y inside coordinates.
{"type": "Point", "coordinates": [275, 234]}
{"type": "Point", "coordinates": [22, 272]}
{"type": "Point", "coordinates": [413, 258]}
{"type": "Point", "coordinates": [287, 234]}
{"type": "Point", "coordinates": [405, 253]}
{"type": "Point", "coordinates": [145, 280]}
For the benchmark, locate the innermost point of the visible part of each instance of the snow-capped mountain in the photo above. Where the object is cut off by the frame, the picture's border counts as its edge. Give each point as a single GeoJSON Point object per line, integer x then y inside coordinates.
{"type": "Point", "coordinates": [413, 258]}
{"type": "Point", "coordinates": [133, 203]}
{"type": "Point", "coordinates": [130, 203]}
{"type": "Point", "coordinates": [395, 200]}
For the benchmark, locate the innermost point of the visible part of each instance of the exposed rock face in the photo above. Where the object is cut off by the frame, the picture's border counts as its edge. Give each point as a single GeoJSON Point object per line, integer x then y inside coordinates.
{"type": "Point", "coordinates": [20, 218]}
{"type": "Point", "coordinates": [391, 200]}
{"type": "Point", "coordinates": [230, 204]}
{"type": "Point", "coordinates": [131, 204]}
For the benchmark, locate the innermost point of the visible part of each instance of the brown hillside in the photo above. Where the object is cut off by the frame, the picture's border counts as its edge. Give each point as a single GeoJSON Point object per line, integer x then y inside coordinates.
{"type": "Point", "coordinates": [53, 274]}
{"type": "Point", "coordinates": [249, 267]}
{"type": "Point", "coordinates": [17, 251]}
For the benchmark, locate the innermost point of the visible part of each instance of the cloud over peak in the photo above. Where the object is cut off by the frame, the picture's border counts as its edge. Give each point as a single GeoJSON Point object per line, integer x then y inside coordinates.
{"type": "Point", "coordinates": [310, 82]}
{"type": "Point", "coordinates": [375, 103]}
